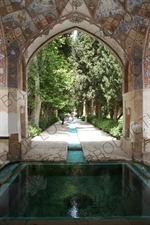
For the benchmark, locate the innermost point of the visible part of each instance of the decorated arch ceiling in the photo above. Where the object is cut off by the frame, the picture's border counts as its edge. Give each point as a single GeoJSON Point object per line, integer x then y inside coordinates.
{"type": "Point", "coordinates": [26, 24]}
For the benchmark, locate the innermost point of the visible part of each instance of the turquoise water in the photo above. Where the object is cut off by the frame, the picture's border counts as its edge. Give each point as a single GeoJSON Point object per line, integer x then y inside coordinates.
{"type": "Point", "coordinates": [75, 153]}
{"type": "Point", "coordinates": [80, 190]}
{"type": "Point", "coordinates": [73, 140]}
{"type": "Point", "coordinates": [75, 156]}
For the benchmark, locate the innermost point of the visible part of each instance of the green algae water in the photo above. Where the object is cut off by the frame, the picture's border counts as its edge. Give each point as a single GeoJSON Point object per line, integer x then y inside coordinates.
{"type": "Point", "coordinates": [80, 190]}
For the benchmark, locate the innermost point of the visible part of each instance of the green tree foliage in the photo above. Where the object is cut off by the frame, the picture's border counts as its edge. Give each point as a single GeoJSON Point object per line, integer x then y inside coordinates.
{"type": "Point", "coordinates": [53, 71]}
{"type": "Point", "coordinates": [97, 76]}
{"type": "Point", "coordinates": [79, 73]}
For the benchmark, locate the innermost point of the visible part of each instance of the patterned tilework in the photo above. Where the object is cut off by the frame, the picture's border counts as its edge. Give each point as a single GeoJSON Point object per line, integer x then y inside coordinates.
{"type": "Point", "coordinates": [146, 63]}
{"type": "Point", "coordinates": [2, 60]}
{"type": "Point", "coordinates": [108, 8]}
{"type": "Point", "coordinates": [137, 66]}
{"type": "Point", "coordinates": [21, 3]}
{"type": "Point", "coordinates": [126, 21]}
{"type": "Point", "coordinates": [13, 53]}
{"type": "Point", "coordinates": [44, 8]}
{"type": "Point", "coordinates": [20, 19]}
{"type": "Point", "coordinates": [31, 17]}
{"type": "Point", "coordinates": [61, 5]}
{"type": "Point", "coordinates": [134, 23]}
{"type": "Point", "coordinates": [92, 6]}
{"type": "Point", "coordinates": [131, 4]}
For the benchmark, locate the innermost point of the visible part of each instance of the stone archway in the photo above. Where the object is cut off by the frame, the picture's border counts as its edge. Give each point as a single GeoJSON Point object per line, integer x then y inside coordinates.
{"type": "Point", "coordinates": [26, 26]}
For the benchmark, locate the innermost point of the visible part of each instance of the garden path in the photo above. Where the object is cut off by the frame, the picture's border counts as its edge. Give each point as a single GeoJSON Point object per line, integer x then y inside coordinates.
{"type": "Point", "coordinates": [52, 144]}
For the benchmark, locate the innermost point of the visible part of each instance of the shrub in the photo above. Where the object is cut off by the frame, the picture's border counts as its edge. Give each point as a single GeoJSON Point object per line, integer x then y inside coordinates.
{"type": "Point", "coordinates": [90, 118]}
{"type": "Point", "coordinates": [114, 128]}
{"type": "Point", "coordinates": [33, 130]}
{"type": "Point", "coordinates": [45, 123]}
{"type": "Point", "coordinates": [83, 118]}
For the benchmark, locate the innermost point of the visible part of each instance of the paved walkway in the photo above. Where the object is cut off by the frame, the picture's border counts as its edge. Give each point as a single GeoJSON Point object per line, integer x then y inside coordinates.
{"type": "Point", "coordinates": [52, 144]}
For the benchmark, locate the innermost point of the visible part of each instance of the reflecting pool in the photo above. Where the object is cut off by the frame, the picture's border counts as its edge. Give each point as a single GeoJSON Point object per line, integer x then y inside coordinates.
{"type": "Point", "coordinates": [80, 190]}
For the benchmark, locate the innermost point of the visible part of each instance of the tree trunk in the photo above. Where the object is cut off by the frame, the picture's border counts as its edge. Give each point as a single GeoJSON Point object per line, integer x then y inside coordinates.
{"type": "Point", "coordinates": [92, 106]}
{"type": "Point", "coordinates": [56, 112]}
{"type": "Point", "coordinates": [111, 113]}
{"type": "Point", "coordinates": [48, 111]}
{"type": "Point", "coordinates": [35, 114]}
{"type": "Point", "coordinates": [84, 108]}
{"type": "Point", "coordinates": [87, 109]}
{"type": "Point", "coordinates": [98, 110]}
{"type": "Point", "coordinates": [80, 110]}
{"type": "Point", "coordinates": [115, 112]}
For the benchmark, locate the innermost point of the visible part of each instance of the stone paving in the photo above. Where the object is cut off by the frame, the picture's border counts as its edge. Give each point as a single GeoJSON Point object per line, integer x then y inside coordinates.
{"type": "Point", "coordinates": [98, 145]}
{"type": "Point", "coordinates": [52, 144]}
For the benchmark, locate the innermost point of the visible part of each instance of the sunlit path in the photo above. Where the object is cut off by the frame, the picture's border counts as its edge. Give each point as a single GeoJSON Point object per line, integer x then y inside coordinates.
{"type": "Point", "coordinates": [53, 143]}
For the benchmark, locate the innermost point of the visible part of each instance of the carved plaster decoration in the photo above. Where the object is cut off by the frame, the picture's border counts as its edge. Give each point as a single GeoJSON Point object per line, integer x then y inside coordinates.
{"type": "Point", "coordinates": [76, 19]}
{"type": "Point", "coordinates": [76, 3]}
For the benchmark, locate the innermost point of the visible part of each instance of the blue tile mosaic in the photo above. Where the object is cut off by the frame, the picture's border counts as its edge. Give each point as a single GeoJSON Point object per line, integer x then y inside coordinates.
{"type": "Point", "coordinates": [13, 53]}
{"type": "Point", "coordinates": [46, 8]}
{"type": "Point", "coordinates": [135, 22]}
{"type": "Point", "coordinates": [20, 19]}
{"type": "Point", "coordinates": [134, 3]}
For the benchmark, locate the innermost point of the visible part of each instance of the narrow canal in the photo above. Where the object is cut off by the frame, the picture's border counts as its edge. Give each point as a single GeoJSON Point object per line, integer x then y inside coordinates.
{"type": "Point", "coordinates": [75, 153]}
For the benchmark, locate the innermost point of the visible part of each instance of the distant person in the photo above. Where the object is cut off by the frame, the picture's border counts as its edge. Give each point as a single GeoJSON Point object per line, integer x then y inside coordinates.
{"type": "Point", "coordinates": [62, 117]}
{"type": "Point", "coordinates": [72, 114]}
{"type": "Point", "coordinates": [70, 118]}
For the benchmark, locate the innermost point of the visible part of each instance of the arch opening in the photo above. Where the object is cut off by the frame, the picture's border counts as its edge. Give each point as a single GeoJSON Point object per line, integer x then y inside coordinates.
{"type": "Point", "coordinates": [130, 45]}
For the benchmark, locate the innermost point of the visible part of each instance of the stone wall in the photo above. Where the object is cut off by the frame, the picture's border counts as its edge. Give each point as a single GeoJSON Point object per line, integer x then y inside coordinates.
{"type": "Point", "coordinates": [14, 148]}
{"type": "Point", "coordinates": [132, 133]}
{"type": "Point", "coordinates": [3, 151]}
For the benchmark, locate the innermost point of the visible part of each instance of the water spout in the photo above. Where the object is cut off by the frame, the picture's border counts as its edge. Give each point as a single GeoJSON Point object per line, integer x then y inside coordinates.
{"type": "Point", "coordinates": [74, 209]}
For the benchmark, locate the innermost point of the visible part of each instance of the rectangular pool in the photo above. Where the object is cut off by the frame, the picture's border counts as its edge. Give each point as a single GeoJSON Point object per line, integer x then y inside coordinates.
{"type": "Point", "coordinates": [71, 191]}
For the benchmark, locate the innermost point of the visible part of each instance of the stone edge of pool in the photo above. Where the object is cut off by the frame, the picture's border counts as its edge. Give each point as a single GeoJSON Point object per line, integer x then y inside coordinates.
{"type": "Point", "coordinates": [78, 222]}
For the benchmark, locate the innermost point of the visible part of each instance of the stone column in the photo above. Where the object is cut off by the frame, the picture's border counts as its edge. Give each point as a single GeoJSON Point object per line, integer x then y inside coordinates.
{"type": "Point", "coordinates": [132, 143]}
{"type": "Point", "coordinates": [4, 134]}
{"type": "Point", "coordinates": [17, 121]}
{"type": "Point", "coordinates": [146, 101]}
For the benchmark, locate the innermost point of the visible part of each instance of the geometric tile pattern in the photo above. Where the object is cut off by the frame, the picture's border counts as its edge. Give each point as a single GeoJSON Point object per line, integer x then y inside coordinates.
{"type": "Point", "coordinates": [126, 21]}
{"type": "Point", "coordinates": [146, 63]}
{"type": "Point", "coordinates": [132, 4]}
{"type": "Point", "coordinates": [107, 9]}
{"type": "Point", "coordinates": [137, 66]}
{"type": "Point", "coordinates": [13, 53]}
{"type": "Point", "coordinates": [2, 60]}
